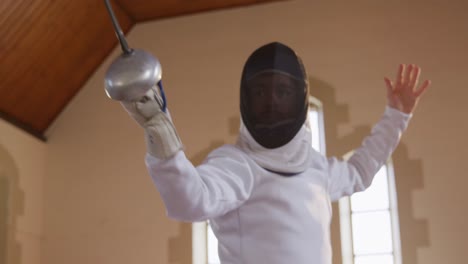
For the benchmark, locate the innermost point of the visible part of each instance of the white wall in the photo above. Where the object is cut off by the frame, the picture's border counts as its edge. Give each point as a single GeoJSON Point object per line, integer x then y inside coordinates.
{"type": "Point", "coordinates": [22, 164]}
{"type": "Point", "coordinates": [100, 205]}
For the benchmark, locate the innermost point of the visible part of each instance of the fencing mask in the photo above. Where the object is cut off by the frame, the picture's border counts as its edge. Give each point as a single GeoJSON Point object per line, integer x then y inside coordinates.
{"type": "Point", "coordinates": [274, 95]}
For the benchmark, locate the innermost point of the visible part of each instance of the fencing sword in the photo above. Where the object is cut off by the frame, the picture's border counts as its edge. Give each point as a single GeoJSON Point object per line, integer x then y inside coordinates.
{"type": "Point", "coordinates": [134, 72]}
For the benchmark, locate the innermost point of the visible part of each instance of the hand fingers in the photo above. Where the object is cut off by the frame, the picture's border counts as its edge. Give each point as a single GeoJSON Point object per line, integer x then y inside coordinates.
{"type": "Point", "coordinates": [151, 95]}
{"type": "Point", "coordinates": [389, 86]}
{"type": "Point", "coordinates": [399, 77]}
{"type": "Point", "coordinates": [415, 77]}
{"type": "Point", "coordinates": [422, 88]}
{"type": "Point", "coordinates": [157, 97]}
{"type": "Point", "coordinates": [128, 105]}
{"type": "Point", "coordinates": [132, 110]}
{"type": "Point", "coordinates": [408, 73]}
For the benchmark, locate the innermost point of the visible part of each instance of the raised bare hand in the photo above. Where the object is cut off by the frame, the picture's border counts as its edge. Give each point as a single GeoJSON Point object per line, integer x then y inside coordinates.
{"type": "Point", "coordinates": [403, 94]}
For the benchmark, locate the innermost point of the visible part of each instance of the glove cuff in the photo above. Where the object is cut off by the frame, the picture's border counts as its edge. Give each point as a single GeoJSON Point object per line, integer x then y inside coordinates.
{"type": "Point", "coordinates": [162, 140]}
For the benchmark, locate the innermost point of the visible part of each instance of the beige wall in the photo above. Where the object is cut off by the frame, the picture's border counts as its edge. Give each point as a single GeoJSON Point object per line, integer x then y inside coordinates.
{"type": "Point", "coordinates": [22, 169]}
{"type": "Point", "coordinates": [100, 205]}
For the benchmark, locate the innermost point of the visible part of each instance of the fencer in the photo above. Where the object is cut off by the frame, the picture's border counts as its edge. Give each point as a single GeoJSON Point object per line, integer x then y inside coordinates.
{"type": "Point", "coordinates": [268, 196]}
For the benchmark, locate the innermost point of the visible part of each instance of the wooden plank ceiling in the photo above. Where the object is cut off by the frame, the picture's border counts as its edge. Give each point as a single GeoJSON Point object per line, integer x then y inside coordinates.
{"type": "Point", "coordinates": [48, 49]}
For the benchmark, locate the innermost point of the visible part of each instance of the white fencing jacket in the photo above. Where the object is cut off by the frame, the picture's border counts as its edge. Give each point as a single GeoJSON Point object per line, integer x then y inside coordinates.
{"type": "Point", "coordinates": [259, 216]}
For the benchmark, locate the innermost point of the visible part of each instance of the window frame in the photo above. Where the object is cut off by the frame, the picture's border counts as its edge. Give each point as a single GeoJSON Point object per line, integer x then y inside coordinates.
{"type": "Point", "coordinates": [346, 230]}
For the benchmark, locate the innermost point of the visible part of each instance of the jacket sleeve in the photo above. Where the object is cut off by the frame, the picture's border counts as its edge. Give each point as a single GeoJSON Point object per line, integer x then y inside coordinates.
{"type": "Point", "coordinates": [357, 173]}
{"type": "Point", "coordinates": [222, 183]}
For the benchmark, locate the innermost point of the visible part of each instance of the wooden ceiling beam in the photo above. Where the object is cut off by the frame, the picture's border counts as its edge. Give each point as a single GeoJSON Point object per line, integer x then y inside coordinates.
{"type": "Point", "coordinates": [144, 10]}
{"type": "Point", "coordinates": [49, 49]}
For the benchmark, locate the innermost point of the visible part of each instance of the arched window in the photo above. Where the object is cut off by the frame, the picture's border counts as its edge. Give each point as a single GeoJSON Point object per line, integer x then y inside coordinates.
{"type": "Point", "coordinates": [369, 222]}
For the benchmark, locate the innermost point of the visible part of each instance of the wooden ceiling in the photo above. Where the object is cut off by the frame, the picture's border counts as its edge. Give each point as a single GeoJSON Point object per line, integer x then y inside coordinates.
{"type": "Point", "coordinates": [48, 49]}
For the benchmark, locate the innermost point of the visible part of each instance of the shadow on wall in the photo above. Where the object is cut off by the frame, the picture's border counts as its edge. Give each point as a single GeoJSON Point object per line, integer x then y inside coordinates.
{"type": "Point", "coordinates": [408, 174]}
{"type": "Point", "coordinates": [409, 177]}
{"type": "Point", "coordinates": [11, 207]}
{"type": "Point", "coordinates": [180, 247]}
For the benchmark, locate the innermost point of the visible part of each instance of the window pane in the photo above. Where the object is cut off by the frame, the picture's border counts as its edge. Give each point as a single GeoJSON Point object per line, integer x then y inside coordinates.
{"type": "Point", "coordinates": [212, 247]}
{"type": "Point", "coordinates": [378, 259]}
{"type": "Point", "coordinates": [372, 233]}
{"type": "Point", "coordinates": [314, 127]}
{"type": "Point", "coordinates": [375, 197]}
